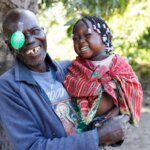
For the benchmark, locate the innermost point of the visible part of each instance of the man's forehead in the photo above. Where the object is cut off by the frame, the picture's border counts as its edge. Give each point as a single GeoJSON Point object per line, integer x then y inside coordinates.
{"type": "Point", "coordinates": [22, 19]}
{"type": "Point", "coordinates": [22, 25]}
{"type": "Point", "coordinates": [15, 25]}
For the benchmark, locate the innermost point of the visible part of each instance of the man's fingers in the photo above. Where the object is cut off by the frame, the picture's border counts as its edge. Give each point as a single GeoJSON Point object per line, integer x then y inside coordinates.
{"type": "Point", "coordinates": [126, 130]}
{"type": "Point", "coordinates": [125, 118]}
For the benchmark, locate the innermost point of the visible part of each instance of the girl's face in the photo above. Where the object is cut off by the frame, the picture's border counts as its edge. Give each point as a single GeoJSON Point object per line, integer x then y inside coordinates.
{"type": "Point", "coordinates": [87, 44]}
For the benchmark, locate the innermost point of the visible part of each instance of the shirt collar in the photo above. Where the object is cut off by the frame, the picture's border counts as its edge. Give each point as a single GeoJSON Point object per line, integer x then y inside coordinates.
{"type": "Point", "coordinates": [22, 73]}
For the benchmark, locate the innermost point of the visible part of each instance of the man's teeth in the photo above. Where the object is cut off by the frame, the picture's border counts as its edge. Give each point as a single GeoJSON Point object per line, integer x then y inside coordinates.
{"type": "Point", "coordinates": [33, 51]}
{"type": "Point", "coordinates": [83, 49]}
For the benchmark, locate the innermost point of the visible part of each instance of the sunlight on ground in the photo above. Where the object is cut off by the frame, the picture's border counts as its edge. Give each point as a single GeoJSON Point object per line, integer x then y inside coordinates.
{"type": "Point", "coordinates": [144, 109]}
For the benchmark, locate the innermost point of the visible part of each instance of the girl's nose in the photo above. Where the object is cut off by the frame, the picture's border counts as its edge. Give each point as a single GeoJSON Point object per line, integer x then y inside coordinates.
{"type": "Point", "coordinates": [82, 39]}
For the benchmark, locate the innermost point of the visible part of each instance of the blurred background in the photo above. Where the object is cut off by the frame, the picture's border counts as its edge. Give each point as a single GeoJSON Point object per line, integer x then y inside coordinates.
{"type": "Point", "coordinates": [129, 21]}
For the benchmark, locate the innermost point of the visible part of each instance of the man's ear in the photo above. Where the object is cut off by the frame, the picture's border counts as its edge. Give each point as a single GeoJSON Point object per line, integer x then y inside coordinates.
{"type": "Point", "coordinates": [6, 41]}
{"type": "Point", "coordinates": [42, 28]}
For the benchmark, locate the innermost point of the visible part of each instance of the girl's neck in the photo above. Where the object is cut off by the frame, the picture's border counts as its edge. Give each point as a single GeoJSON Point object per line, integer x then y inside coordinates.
{"type": "Point", "coordinates": [102, 55]}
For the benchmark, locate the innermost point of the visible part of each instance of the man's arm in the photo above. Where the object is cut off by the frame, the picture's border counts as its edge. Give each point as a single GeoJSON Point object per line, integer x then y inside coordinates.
{"type": "Point", "coordinates": [113, 130]}
{"type": "Point", "coordinates": [24, 131]}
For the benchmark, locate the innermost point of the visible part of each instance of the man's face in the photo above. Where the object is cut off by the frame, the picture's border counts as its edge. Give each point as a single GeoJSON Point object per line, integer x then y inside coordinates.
{"type": "Point", "coordinates": [33, 51]}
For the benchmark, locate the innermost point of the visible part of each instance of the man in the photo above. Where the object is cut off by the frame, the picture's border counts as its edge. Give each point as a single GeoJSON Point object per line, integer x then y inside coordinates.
{"type": "Point", "coordinates": [32, 95]}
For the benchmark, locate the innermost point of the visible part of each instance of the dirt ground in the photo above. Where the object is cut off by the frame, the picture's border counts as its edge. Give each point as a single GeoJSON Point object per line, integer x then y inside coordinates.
{"type": "Point", "coordinates": [139, 138]}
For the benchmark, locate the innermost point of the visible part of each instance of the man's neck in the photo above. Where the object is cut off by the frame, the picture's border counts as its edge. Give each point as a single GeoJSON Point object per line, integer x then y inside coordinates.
{"type": "Point", "coordinates": [39, 68]}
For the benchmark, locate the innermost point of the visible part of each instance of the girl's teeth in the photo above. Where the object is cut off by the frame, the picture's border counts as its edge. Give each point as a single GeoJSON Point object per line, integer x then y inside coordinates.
{"type": "Point", "coordinates": [83, 49]}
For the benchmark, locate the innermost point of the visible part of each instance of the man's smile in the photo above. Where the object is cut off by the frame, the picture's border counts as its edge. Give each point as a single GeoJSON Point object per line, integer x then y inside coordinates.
{"type": "Point", "coordinates": [33, 52]}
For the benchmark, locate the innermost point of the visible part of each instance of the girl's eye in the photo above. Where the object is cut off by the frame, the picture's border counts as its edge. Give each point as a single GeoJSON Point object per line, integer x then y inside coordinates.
{"type": "Point", "coordinates": [88, 35]}
{"type": "Point", "coordinates": [75, 38]}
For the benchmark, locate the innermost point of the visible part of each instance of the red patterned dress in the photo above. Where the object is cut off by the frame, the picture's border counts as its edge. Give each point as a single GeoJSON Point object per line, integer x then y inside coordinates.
{"type": "Point", "coordinates": [86, 83]}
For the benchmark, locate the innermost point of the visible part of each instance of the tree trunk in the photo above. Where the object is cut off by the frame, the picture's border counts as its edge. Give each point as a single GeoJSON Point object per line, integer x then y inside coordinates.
{"type": "Point", "coordinates": [6, 59]}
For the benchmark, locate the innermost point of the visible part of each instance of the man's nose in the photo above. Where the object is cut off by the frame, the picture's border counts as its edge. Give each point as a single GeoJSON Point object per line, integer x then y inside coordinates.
{"type": "Point", "coordinates": [29, 39]}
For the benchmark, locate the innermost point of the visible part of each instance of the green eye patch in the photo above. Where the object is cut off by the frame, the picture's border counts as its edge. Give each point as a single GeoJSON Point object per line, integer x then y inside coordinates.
{"type": "Point", "coordinates": [17, 40]}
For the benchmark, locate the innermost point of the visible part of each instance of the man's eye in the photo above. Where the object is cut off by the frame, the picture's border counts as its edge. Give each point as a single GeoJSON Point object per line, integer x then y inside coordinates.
{"type": "Point", "coordinates": [36, 31]}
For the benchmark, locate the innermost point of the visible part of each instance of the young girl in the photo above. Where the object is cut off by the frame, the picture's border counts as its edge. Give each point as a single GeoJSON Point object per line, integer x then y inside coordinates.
{"type": "Point", "coordinates": [98, 80]}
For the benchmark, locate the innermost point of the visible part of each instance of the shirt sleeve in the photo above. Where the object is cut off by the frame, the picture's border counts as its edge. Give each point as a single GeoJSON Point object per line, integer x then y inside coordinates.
{"type": "Point", "coordinates": [95, 135]}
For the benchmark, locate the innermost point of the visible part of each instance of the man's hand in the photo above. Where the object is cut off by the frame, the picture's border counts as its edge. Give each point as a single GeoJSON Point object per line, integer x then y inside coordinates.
{"type": "Point", "coordinates": [113, 130]}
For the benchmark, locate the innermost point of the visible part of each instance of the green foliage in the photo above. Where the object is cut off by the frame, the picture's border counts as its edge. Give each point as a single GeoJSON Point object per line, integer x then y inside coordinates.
{"type": "Point", "coordinates": [129, 21]}
{"type": "Point", "coordinates": [132, 35]}
{"type": "Point", "coordinates": [144, 41]}
{"type": "Point", "coordinates": [77, 8]}
{"type": "Point", "coordinates": [83, 7]}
